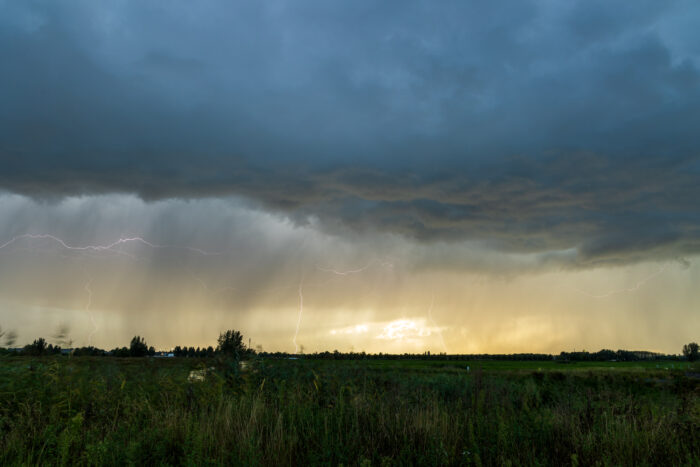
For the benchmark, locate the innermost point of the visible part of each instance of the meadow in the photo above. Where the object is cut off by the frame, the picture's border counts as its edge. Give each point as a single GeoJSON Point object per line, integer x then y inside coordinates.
{"type": "Point", "coordinates": [116, 411]}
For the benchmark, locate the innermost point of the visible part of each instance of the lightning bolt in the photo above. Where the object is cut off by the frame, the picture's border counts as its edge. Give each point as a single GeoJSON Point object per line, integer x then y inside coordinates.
{"type": "Point", "coordinates": [106, 247]}
{"type": "Point", "coordinates": [634, 288]}
{"type": "Point", "coordinates": [343, 273]}
{"type": "Point", "coordinates": [95, 251]}
{"type": "Point", "coordinates": [116, 248]}
{"type": "Point", "coordinates": [348, 272]}
{"type": "Point", "coordinates": [300, 287]}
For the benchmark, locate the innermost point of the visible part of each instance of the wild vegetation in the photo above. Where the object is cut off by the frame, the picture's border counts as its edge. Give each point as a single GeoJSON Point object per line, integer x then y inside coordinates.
{"type": "Point", "coordinates": [115, 411]}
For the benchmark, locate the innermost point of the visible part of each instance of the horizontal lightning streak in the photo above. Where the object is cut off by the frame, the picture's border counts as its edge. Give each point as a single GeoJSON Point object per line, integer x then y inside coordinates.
{"type": "Point", "coordinates": [348, 272]}
{"type": "Point", "coordinates": [107, 247]}
{"type": "Point", "coordinates": [344, 273]}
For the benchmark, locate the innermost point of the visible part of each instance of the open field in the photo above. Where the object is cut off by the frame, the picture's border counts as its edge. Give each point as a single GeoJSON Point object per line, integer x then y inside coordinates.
{"type": "Point", "coordinates": [529, 366]}
{"type": "Point", "coordinates": [60, 410]}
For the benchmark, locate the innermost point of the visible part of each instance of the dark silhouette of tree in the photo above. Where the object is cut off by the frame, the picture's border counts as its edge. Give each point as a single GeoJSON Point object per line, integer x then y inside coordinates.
{"type": "Point", "coordinates": [690, 351]}
{"type": "Point", "coordinates": [120, 352]}
{"type": "Point", "coordinates": [90, 352]}
{"type": "Point", "coordinates": [38, 347]}
{"type": "Point", "coordinates": [138, 347]}
{"type": "Point", "coordinates": [231, 343]}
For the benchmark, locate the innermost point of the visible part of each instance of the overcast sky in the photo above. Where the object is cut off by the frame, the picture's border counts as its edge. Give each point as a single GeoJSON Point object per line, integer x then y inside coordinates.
{"type": "Point", "coordinates": [410, 176]}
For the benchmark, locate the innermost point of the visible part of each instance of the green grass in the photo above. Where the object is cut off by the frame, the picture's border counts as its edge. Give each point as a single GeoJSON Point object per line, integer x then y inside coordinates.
{"type": "Point", "coordinates": [508, 365]}
{"type": "Point", "coordinates": [382, 412]}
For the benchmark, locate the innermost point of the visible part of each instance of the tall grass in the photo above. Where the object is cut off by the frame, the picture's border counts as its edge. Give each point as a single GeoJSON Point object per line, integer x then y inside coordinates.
{"type": "Point", "coordinates": [145, 411]}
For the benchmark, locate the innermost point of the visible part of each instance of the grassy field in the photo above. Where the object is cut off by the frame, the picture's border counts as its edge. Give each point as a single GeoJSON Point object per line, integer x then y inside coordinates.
{"type": "Point", "coordinates": [60, 410]}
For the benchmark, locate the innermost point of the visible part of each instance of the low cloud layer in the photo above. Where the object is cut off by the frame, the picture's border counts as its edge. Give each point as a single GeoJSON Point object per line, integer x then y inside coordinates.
{"type": "Point", "coordinates": [207, 265]}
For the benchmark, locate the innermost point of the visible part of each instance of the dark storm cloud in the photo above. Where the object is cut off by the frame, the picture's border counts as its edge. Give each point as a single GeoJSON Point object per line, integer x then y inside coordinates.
{"type": "Point", "coordinates": [529, 126]}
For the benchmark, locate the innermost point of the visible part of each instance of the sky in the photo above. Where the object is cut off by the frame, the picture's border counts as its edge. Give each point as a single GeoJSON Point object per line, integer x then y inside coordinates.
{"type": "Point", "coordinates": [398, 176]}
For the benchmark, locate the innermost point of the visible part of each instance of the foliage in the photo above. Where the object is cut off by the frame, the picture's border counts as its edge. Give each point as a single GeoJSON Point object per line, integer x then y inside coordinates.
{"type": "Point", "coordinates": [192, 352]}
{"type": "Point", "coordinates": [231, 343]}
{"type": "Point", "coordinates": [88, 352]}
{"type": "Point", "coordinates": [38, 347]}
{"type": "Point", "coordinates": [138, 347]}
{"type": "Point", "coordinates": [325, 412]}
{"type": "Point", "coordinates": [690, 351]}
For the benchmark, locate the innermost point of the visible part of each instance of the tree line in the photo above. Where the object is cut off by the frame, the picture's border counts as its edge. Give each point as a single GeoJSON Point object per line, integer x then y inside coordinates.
{"type": "Point", "coordinates": [231, 343]}
{"type": "Point", "coordinates": [228, 343]}
{"type": "Point", "coordinates": [690, 352]}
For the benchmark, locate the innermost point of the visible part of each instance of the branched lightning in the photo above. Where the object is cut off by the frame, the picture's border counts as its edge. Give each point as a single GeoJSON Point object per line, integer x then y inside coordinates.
{"type": "Point", "coordinates": [116, 248]}
{"type": "Point", "coordinates": [107, 247]}
{"type": "Point", "coordinates": [95, 251]}
{"type": "Point", "coordinates": [634, 288]}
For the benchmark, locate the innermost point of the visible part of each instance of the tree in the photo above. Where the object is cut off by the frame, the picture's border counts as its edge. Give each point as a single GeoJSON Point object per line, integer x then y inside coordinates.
{"type": "Point", "coordinates": [121, 352]}
{"type": "Point", "coordinates": [138, 347]}
{"type": "Point", "coordinates": [231, 343]}
{"type": "Point", "coordinates": [38, 347]}
{"type": "Point", "coordinates": [690, 351]}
